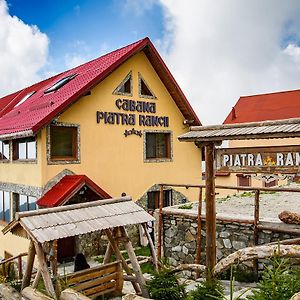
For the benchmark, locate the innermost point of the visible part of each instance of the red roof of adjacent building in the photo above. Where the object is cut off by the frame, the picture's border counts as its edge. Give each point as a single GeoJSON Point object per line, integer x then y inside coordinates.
{"type": "Point", "coordinates": [39, 109]}
{"type": "Point", "coordinates": [67, 187]}
{"type": "Point", "coordinates": [264, 107]}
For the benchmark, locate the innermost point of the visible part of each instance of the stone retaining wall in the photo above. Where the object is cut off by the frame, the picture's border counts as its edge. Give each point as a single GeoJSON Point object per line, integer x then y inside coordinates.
{"type": "Point", "coordinates": [180, 235]}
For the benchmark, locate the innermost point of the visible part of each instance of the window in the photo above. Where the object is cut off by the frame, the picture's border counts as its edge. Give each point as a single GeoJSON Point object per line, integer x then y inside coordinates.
{"type": "Point", "coordinates": [26, 203]}
{"type": "Point", "coordinates": [5, 206]}
{"type": "Point", "coordinates": [63, 142]}
{"type": "Point", "coordinates": [4, 150]}
{"type": "Point", "coordinates": [144, 89]}
{"type": "Point", "coordinates": [158, 145]}
{"type": "Point", "coordinates": [60, 83]}
{"type": "Point", "coordinates": [25, 98]}
{"type": "Point", "coordinates": [153, 199]}
{"type": "Point", "coordinates": [125, 87]}
{"type": "Point", "coordinates": [24, 149]}
{"type": "Point", "coordinates": [243, 180]}
{"type": "Point", "coordinates": [271, 183]}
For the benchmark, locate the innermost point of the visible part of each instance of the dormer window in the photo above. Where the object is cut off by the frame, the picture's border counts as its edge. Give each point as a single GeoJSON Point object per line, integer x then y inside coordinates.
{"type": "Point", "coordinates": [144, 89]}
{"type": "Point", "coordinates": [28, 95]}
{"type": "Point", "coordinates": [125, 87]}
{"type": "Point", "coordinates": [60, 83]}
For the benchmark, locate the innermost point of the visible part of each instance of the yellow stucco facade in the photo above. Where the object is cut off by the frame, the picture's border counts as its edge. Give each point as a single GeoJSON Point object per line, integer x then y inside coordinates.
{"type": "Point", "coordinates": [115, 162]}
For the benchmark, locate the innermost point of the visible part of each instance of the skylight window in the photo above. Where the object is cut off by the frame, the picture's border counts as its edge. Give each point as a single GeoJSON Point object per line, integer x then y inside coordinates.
{"type": "Point", "coordinates": [25, 98]}
{"type": "Point", "coordinates": [60, 83]}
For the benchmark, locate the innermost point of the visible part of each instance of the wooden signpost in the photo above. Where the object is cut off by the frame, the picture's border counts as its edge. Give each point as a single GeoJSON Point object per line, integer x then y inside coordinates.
{"type": "Point", "coordinates": [269, 160]}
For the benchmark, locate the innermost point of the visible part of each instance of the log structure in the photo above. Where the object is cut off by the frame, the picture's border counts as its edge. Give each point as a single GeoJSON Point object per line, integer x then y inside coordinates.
{"type": "Point", "coordinates": [289, 217]}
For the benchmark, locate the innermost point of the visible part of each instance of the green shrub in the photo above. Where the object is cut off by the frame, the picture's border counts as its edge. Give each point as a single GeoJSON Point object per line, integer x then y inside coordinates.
{"type": "Point", "coordinates": [165, 286]}
{"type": "Point", "coordinates": [279, 281]}
{"type": "Point", "coordinates": [207, 290]}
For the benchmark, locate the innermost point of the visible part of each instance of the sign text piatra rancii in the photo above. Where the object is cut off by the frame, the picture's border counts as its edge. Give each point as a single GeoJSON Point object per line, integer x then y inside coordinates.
{"type": "Point", "coordinates": [285, 159]}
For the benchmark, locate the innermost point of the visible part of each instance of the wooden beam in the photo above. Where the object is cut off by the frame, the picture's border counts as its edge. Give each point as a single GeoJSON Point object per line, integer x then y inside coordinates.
{"type": "Point", "coordinates": [119, 256]}
{"type": "Point", "coordinates": [44, 270]}
{"type": "Point", "coordinates": [151, 246]}
{"type": "Point", "coordinates": [210, 210]}
{"type": "Point", "coordinates": [256, 230]}
{"type": "Point", "coordinates": [135, 264]}
{"type": "Point", "coordinates": [160, 222]}
{"type": "Point", "coordinates": [29, 266]}
{"type": "Point", "coordinates": [199, 223]}
{"type": "Point", "coordinates": [108, 253]}
{"type": "Point", "coordinates": [37, 279]}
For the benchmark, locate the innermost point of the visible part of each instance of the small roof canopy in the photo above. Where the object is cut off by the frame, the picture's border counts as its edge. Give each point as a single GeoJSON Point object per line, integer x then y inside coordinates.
{"type": "Point", "coordinates": [244, 131]}
{"type": "Point", "coordinates": [67, 187]}
{"type": "Point", "coordinates": [55, 223]}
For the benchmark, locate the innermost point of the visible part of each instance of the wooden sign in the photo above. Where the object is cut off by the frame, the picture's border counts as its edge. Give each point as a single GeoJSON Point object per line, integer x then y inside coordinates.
{"type": "Point", "coordinates": [278, 159]}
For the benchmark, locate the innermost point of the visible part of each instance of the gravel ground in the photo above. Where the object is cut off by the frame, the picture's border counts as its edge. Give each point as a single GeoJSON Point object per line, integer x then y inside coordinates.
{"type": "Point", "coordinates": [271, 204]}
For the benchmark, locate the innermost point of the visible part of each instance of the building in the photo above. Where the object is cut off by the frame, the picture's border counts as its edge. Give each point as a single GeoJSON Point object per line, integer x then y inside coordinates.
{"type": "Point", "coordinates": [256, 108]}
{"type": "Point", "coordinates": [106, 128]}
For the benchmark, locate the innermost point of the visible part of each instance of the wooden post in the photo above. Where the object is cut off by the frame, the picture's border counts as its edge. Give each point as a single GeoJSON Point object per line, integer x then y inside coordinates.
{"type": "Point", "coordinates": [44, 270]}
{"type": "Point", "coordinates": [160, 222]}
{"type": "Point", "coordinates": [135, 264]}
{"type": "Point", "coordinates": [29, 266]}
{"type": "Point", "coordinates": [151, 246]}
{"type": "Point", "coordinates": [256, 231]}
{"type": "Point", "coordinates": [210, 209]}
{"type": "Point", "coordinates": [20, 267]}
{"type": "Point", "coordinates": [120, 257]}
{"type": "Point", "coordinates": [199, 219]}
{"type": "Point", "coordinates": [108, 254]}
{"type": "Point", "coordinates": [37, 279]}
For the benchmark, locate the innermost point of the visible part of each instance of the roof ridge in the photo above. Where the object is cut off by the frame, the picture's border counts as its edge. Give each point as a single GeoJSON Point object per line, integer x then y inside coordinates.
{"type": "Point", "coordinates": [271, 93]}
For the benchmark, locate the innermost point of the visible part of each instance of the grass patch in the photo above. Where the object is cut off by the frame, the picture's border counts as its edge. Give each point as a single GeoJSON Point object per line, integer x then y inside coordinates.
{"type": "Point", "coordinates": [186, 206]}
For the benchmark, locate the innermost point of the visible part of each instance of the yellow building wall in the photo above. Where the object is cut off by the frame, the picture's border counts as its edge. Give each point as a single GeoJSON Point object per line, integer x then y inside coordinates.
{"type": "Point", "coordinates": [116, 162]}
{"type": "Point", "coordinates": [231, 180]}
{"type": "Point", "coordinates": [113, 161]}
{"type": "Point", "coordinates": [25, 173]}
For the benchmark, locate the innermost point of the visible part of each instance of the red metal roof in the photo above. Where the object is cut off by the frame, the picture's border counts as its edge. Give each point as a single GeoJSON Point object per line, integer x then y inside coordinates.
{"type": "Point", "coordinates": [264, 107]}
{"type": "Point", "coordinates": [67, 187]}
{"type": "Point", "coordinates": [38, 110]}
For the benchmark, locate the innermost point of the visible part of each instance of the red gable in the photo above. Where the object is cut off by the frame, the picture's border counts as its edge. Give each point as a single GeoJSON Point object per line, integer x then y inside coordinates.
{"type": "Point", "coordinates": [38, 110]}
{"type": "Point", "coordinates": [67, 187]}
{"type": "Point", "coordinates": [274, 106]}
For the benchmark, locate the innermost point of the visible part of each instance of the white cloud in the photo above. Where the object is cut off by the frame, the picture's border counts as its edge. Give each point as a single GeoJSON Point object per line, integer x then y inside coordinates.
{"type": "Point", "coordinates": [138, 7]}
{"type": "Point", "coordinates": [220, 50]}
{"type": "Point", "coordinates": [23, 52]}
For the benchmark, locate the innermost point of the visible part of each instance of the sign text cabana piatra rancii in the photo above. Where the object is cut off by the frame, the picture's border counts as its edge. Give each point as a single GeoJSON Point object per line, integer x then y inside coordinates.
{"type": "Point", "coordinates": [282, 159]}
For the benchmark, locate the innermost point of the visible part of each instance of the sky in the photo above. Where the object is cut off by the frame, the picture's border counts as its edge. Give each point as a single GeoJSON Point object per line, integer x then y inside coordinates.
{"type": "Point", "coordinates": [216, 50]}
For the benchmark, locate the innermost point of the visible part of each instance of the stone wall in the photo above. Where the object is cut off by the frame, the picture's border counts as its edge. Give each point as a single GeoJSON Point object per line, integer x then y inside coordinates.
{"type": "Point", "coordinates": [180, 235]}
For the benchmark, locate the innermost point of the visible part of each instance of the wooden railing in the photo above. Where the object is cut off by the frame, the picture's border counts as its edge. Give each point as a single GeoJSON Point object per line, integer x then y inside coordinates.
{"type": "Point", "coordinates": [255, 222]}
{"type": "Point", "coordinates": [15, 259]}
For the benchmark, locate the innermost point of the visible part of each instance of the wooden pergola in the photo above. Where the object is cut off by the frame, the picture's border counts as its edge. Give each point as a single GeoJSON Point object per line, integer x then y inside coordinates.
{"type": "Point", "coordinates": [45, 226]}
{"type": "Point", "coordinates": [212, 136]}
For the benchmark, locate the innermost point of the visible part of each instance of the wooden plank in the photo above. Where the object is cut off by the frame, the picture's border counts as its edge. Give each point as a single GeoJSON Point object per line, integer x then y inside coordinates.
{"type": "Point", "coordinates": [101, 288]}
{"type": "Point", "coordinates": [107, 291]}
{"type": "Point", "coordinates": [95, 282]}
{"type": "Point", "coordinates": [275, 159]}
{"type": "Point", "coordinates": [74, 278]}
